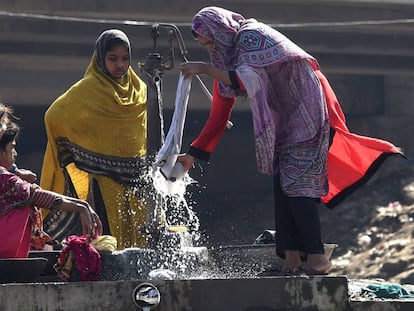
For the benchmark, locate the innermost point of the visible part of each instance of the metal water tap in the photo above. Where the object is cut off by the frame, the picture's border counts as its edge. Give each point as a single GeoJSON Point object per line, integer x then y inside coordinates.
{"type": "Point", "coordinates": [154, 64]}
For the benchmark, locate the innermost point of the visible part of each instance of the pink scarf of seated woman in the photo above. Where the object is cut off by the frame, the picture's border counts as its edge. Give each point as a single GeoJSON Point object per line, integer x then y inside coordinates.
{"type": "Point", "coordinates": [15, 216]}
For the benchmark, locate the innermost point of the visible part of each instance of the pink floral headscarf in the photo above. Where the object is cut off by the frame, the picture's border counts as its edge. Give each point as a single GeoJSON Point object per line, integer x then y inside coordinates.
{"type": "Point", "coordinates": [238, 41]}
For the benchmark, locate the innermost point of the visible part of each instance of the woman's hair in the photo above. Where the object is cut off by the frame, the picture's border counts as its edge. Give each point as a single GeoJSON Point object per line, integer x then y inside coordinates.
{"type": "Point", "coordinates": [6, 114]}
{"type": "Point", "coordinates": [194, 34]}
{"type": "Point", "coordinates": [8, 128]}
{"type": "Point", "coordinates": [114, 43]}
{"type": "Point", "coordinates": [9, 135]}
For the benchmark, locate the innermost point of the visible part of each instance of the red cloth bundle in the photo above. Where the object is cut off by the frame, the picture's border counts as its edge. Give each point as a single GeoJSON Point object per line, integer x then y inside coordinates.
{"type": "Point", "coordinates": [85, 256]}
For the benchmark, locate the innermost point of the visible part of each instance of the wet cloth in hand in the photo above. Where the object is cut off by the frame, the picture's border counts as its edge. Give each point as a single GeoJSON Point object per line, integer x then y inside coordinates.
{"type": "Point", "coordinates": [167, 156]}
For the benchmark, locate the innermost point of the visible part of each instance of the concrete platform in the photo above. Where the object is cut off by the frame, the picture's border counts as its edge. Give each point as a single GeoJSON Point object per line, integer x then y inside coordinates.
{"type": "Point", "coordinates": [258, 294]}
{"type": "Point", "coordinates": [213, 280]}
{"type": "Point", "coordinates": [376, 305]}
{"type": "Point", "coordinates": [328, 293]}
{"type": "Point", "coordinates": [204, 279]}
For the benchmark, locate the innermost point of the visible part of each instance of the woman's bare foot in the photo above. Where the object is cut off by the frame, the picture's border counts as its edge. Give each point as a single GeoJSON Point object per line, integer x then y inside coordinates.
{"type": "Point", "coordinates": [292, 259]}
{"type": "Point", "coordinates": [318, 263]}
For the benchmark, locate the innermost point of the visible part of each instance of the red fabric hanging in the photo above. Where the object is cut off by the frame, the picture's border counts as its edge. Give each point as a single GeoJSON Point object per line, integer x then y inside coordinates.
{"type": "Point", "coordinates": [352, 159]}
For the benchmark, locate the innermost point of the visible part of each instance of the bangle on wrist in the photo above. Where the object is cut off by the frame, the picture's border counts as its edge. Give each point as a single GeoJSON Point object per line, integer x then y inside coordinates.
{"type": "Point", "coordinates": [13, 168]}
{"type": "Point", "coordinates": [58, 201]}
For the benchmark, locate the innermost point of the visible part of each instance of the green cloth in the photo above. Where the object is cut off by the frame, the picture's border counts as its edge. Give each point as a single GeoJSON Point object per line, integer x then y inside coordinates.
{"type": "Point", "coordinates": [387, 291]}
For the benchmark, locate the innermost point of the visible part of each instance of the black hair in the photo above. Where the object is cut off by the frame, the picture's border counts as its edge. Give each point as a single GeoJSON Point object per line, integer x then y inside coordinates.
{"type": "Point", "coordinates": [6, 114]}
{"type": "Point", "coordinates": [194, 34]}
{"type": "Point", "coordinates": [115, 42]}
{"type": "Point", "coordinates": [9, 135]}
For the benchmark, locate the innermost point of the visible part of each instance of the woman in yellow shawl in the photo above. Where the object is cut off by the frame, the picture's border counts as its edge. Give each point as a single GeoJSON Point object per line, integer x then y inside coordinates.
{"type": "Point", "coordinates": [96, 144]}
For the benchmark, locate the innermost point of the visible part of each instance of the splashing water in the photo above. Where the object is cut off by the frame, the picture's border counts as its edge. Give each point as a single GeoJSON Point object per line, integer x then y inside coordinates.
{"type": "Point", "coordinates": [174, 248]}
{"type": "Point", "coordinates": [174, 193]}
{"type": "Point", "coordinates": [169, 188]}
{"type": "Point", "coordinates": [174, 255]}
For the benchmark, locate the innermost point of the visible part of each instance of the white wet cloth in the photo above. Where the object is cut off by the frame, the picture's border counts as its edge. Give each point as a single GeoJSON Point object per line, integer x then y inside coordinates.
{"type": "Point", "coordinates": [168, 154]}
{"type": "Point", "coordinates": [161, 274]}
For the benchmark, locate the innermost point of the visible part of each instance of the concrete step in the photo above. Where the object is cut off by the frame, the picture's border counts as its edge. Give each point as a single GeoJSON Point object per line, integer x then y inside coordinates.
{"type": "Point", "coordinates": [201, 279]}
{"type": "Point", "coordinates": [381, 305]}
{"type": "Point", "coordinates": [270, 293]}
{"type": "Point", "coordinates": [278, 293]}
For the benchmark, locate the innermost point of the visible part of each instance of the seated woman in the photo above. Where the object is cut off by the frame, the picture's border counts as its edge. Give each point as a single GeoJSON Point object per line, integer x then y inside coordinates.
{"type": "Point", "coordinates": [7, 116]}
{"type": "Point", "coordinates": [20, 200]}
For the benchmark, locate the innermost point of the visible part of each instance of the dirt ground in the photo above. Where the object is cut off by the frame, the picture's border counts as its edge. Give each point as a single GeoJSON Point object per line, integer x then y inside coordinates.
{"type": "Point", "coordinates": [374, 227]}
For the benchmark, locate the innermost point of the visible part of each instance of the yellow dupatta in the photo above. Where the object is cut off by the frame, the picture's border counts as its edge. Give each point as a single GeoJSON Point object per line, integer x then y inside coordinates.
{"type": "Point", "coordinates": [107, 117]}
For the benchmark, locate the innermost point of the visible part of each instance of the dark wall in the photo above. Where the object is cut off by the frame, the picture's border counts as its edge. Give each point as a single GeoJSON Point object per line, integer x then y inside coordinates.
{"type": "Point", "coordinates": [370, 68]}
{"type": "Point", "coordinates": [232, 200]}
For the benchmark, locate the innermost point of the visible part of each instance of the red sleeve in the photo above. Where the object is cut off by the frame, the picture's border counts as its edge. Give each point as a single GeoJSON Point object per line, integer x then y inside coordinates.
{"type": "Point", "coordinates": [15, 192]}
{"type": "Point", "coordinates": [213, 129]}
{"type": "Point", "coordinates": [44, 198]}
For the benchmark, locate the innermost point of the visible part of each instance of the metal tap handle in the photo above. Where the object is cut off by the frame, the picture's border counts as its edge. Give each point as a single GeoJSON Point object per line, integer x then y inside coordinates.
{"type": "Point", "coordinates": [184, 52]}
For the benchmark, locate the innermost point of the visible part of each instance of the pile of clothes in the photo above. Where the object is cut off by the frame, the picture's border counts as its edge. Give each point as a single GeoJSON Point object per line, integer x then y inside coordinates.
{"type": "Point", "coordinates": [83, 254]}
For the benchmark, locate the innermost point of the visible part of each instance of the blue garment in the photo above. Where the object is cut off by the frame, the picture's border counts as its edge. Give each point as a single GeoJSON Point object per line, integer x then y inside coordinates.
{"type": "Point", "coordinates": [387, 291]}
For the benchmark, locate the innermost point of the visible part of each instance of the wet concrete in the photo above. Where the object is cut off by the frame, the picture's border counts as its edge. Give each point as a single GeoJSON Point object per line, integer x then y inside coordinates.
{"type": "Point", "coordinates": [264, 294]}
{"type": "Point", "coordinates": [224, 278]}
{"type": "Point", "coordinates": [328, 293]}
{"type": "Point", "coordinates": [382, 305]}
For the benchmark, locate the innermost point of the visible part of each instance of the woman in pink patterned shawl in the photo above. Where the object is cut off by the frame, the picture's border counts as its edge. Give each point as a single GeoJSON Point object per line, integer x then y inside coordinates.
{"type": "Point", "coordinates": [19, 200]}
{"type": "Point", "coordinates": [295, 118]}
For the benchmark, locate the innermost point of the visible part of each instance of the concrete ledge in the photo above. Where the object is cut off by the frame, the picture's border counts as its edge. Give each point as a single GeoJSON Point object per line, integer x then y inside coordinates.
{"type": "Point", "coordinates": [378, 305]}
{"type": "Point", "coordinates": [277, 293]}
